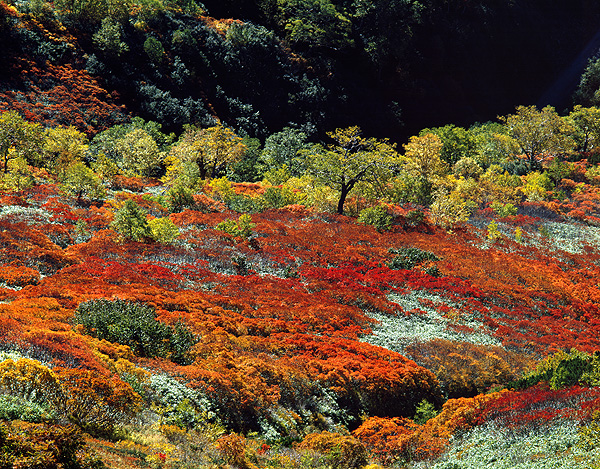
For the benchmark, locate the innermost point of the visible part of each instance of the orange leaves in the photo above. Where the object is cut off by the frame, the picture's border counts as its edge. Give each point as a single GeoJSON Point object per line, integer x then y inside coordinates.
{"type": "Point", "coordinates": [342, 451]}
{"type": "Point", "coordinates": [42, 445]}
{"type": "Point", "coordinates": [18, 276]}
{"type": "Point", "coordinates": [395, 438]}
{"type": "Point", "coordinates": [389, 438]}
{"type": "Point", "coordinates": [62, 95]}
{"type": "Point", "coordinates": [95, 402]}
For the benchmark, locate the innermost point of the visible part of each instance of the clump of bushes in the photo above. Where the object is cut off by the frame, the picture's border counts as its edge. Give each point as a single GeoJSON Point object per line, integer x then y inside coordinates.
{"type": "Point", "coordinates": [44, 446]}
{"type": "Point", "coordinates": [240, 228]}
{"type": "Point", "coordinates": [135, 325]}
{"type": "Point", "coordinates": [407, 258]}
{"type": "Point", "coordinates": [563, 369]}
{"type": "Point", "coordinates": [377, 217]}
{"type": "Point", "coordinates": [340, 451]}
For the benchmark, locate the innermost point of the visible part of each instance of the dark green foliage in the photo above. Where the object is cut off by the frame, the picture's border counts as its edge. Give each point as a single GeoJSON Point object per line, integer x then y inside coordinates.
{"type": "Point", "coordinates": [415, 217]}
{"type": "Point", "coordinates": [588, 91]}
{"type": "Point", "coordinates": [282, 148]}
{"type": "Point", "coordinates": [569, 372]}
{"type": "Point", "coordinates": [154, 49]}
{"type": "Point", "coordinates": [377, 217]}
{"type": "Point", "coordinates": [242, 204]}
{"type": "Point", "coordinates": [161, 105]}
{"type": "Point", "coordinates": [135, 325]}
{"type": "Point", "coordinates": [179, 198]}
{"type": "Point", "coordinates": [409, 188]}
{"type": "Point", "coordinates": [407, 258]}
{"type": "Point", "coordinates": [310, 24]}
{"type": "Point", "coordinates": [246, 169]}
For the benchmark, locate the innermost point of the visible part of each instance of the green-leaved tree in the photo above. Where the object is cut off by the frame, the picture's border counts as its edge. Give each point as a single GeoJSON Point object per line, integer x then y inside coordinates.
{"type": "Point", "coordinates": [130, 221]}
{"type": "Point", "coordinates": [350, 160]}
{"type": "Point", "coordinates": [539, 133]}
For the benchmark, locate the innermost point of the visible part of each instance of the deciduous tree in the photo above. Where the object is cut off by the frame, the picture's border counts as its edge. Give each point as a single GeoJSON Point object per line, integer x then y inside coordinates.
{"type": "Point", "coordinates": [538, 133]}
{"type": "Point", "coordinates": [211, 149]}
{"type": "Point", "coordinates": [18, 138]}
{"type": "Point", "coordinates": [352, 159]}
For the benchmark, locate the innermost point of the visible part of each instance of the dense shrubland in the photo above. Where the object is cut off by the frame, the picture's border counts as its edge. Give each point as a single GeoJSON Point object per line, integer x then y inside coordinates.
{"type": "Point", "coordinates": [234, 280]}
{"type": "Point", "coordinates": [165, 317]}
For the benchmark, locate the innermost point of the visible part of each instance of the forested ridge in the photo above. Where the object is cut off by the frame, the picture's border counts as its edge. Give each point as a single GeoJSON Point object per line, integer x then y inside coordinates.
{"type": "Point", "coordinates": [391, 67]}
{"type": "Point", "coordinates": [299, 234]}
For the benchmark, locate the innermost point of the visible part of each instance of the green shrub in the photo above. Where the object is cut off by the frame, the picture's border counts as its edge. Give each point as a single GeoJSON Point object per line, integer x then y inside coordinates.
{"type": "Point", "coordinates": [19, 408]}
{"type": "Point", "coordinates": [425, 410]}
{"type": "Point", "coordinates": [163, 230]}
{"type": "Point", "coordinates": [563, 369]}
{"type": "Point", "coordinates": [135, 325]}
{"type": "Point", "coordinates": [415, 217]}
{"type": "Point", "coordinates": [179, 198]}
{"type": "Point", "coordinates": [407, 258]}
{"type": "Point", "coordinates": [377, 217]}
{"type": "Point", "coordinates": [240, 228]}
{"type": "Point", "coordinates": [154, 49]}
{"type": "Point", "coordinates": [278, 197]}
{"type": "Point", "coordinates": [130, 221]}
{"type": "Point", "coordinates": [503, 210]}
{"type": "Point", "coordinates": [242, 204]}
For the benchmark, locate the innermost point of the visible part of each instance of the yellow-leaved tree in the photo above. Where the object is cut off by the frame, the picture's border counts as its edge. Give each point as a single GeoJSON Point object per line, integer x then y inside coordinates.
{"type": "Point", "coordinates": [350, 160]}
{"type": "Point", "coordinates": [18, 138]}
{"type": "Point", "coordinates": [63, 146]}
{"type": "Point", "coordinates": [203, 151]}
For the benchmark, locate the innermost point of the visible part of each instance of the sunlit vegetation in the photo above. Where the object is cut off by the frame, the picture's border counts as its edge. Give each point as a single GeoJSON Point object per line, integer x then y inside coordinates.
{"type": "Point", "coordinates": [233, 278]}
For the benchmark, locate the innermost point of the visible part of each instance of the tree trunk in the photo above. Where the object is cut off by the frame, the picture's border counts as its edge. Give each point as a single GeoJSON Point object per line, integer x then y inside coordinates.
{"type": "Point", "coordinates": [344, 193]}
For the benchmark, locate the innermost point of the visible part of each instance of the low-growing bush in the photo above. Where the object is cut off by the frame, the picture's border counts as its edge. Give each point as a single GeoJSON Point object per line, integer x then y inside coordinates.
{"type": "Point", "coordinates": [242, 204]}
{"type": "Point", "coordinates": [130, 221]}
{"type": "Point", "coordinates": [240, 228]}
{"type": "Point", "coordinates": [43, 446]}
{"type": "Point", "coordinates": [19, 408]}
{"type": "Point", "coordinates": [179, 198]}
{"type": "Point", "coordinates": [278, 197]}
{"type": "Point", "coordinates": [135, 325]}
{"type": "Point", "coordinates": [163, 230]}
{"type": "Point", "coordinates": [563, 369]}
{"type": "Point", "coordinates": [341, 451]}
{"type": "Point", "coordinates": [377, 217]}
{"type": "Point", "coordinates": [407, 258]}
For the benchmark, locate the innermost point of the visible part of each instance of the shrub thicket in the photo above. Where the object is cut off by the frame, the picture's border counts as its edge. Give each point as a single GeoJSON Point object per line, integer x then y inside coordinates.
{"type": "Point", "coordinates": [135, 325]}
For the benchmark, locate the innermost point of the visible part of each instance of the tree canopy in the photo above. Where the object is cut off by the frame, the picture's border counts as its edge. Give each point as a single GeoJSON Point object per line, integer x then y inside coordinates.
{"type": "Point", "coordinates": [350, 160]}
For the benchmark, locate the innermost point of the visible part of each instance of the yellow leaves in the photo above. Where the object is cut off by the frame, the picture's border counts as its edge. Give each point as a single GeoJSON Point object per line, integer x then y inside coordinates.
{"type": "Point", "coordinates": [211, 149]}
{"type": "Point", "coordinates": [448, 209]}
{"type": "Point", "coordinates": [63, 146]}
{"type": "Point", "coordinates": [139, 153]}
{"type": "Point", "coordinates": [423, 156]}
{"type": "Point", "coordinates": [27, 377]}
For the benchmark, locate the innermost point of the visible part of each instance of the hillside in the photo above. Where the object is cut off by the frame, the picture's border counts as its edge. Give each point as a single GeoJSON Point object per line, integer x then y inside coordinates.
{"type": "Point", "coordinates": [219, 250]}
{"type": "Point", "coordinates": [390, 67]}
